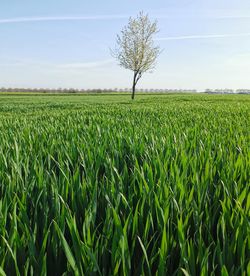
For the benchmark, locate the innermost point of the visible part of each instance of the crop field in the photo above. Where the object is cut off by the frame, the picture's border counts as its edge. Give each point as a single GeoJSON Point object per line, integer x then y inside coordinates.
{"type": "Point", "coordinates": [101, 185]}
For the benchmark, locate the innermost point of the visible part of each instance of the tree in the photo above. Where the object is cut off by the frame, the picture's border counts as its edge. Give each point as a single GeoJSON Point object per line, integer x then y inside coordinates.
{"type": "Point", "coordinates": [136, 50]}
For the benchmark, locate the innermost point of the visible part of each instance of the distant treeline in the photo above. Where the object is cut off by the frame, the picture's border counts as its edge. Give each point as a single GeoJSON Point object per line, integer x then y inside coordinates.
{"type": "Point", "coordinates": [227, 91]}
{"type": "Point", "coordinates": [119, 90]}
{"type": "Point", "coordinates": [73, 90]}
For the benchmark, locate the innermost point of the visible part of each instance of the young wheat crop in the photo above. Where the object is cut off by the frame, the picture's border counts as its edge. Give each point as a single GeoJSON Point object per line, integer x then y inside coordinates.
{"type": "Point", "coordinates": [97, 185]}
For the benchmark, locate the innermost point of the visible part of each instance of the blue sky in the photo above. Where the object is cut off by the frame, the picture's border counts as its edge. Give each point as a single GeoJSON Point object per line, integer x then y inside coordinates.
{"type": "Point", "coordinates": [63, 43]}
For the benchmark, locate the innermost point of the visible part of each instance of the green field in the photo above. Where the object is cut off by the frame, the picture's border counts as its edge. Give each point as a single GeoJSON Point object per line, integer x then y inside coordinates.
{"type": "Point", "coordinates": [101, 185]}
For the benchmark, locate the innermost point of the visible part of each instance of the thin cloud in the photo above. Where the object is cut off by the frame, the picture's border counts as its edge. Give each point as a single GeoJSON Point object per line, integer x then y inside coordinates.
{"type": "Point", "coordinates": [234, 17]}
{"type": "Point", "coordinates": [211, 36]}
{"type": "Point", "coordinates": [62, 66]}
{"type": "Point", "coordinates": [105, 17]}
{"type": "Point", "coordinates": [61, 18]}
{"type": "Point", "coordinates": [84, 65]}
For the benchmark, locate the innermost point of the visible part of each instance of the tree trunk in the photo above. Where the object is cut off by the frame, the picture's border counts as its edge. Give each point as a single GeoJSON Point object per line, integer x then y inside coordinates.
{"type": "Point", "coordinates": [133, 87]}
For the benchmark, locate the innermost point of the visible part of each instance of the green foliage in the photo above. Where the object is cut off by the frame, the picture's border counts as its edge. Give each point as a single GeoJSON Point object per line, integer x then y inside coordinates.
{"type": "Point", "coordinates": [98, 185]}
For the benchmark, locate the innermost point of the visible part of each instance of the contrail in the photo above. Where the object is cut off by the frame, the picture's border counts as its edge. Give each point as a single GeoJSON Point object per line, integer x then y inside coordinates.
{"type": "Point", "coordinates": [61, 18]}
{"type": "Point", "coordinates": [83, 65]}
{"type": "Point", "coordinates": [233, 17]}
{"type": "Point", "coordinates": [185, 37]}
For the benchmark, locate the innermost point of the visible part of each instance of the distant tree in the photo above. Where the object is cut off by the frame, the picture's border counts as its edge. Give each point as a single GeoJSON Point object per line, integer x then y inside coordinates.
{"type": "Point", "coordinates": [136, 50]}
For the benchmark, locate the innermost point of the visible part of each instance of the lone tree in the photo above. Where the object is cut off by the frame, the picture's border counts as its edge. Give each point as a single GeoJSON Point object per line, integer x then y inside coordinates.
{"type": "Point", "coordinates": [136, 50]}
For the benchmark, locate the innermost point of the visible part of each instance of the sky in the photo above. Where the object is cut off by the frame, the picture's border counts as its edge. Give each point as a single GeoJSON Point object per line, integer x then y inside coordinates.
{"type": "Point", "coordinates": [66, 43]}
